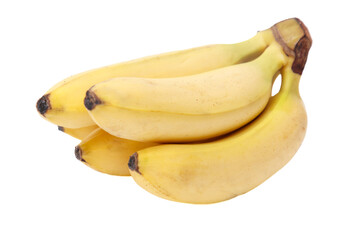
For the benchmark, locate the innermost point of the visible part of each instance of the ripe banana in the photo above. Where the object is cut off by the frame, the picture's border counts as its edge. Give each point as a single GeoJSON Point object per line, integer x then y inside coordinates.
{"type": "Point", "coordinates": [79, 133]}
{"type": "Point", "coordinates": [235, 164]}
{"type": "Point", "coordinates": [187, 108]}
{"type": "Point", "coordinates": [63, 103]}
{"type": "Point", "coordinates": [220, 170]}
{"type": "Point", "coordinates": [106, 153]}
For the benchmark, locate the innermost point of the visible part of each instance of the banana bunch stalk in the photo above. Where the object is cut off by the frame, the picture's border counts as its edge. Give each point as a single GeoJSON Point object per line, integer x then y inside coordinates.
{"type": "Point", "coordinates": [195, 126]}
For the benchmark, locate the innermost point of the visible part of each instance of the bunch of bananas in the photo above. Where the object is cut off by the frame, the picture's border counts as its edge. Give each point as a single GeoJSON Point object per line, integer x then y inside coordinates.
{"type": "Point", "coordinates": [196, 126]}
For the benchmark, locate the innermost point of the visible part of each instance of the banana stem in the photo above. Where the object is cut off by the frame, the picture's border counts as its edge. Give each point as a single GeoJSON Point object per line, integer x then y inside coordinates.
{"type": "Point", "coordinates": [253, 48]}
{"type": "Point", "coordinates": [290, 80]}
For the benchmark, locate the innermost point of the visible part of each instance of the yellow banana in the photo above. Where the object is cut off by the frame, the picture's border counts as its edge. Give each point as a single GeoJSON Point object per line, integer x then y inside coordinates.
{"type": "Point", "coordinates": [187, 108]}
{"type": "Point", "coordinates": [220, 170]}
{"type": "Point", "coordinates": [235, 164]}
{"type": "Point", "coordinates": [63, 103]}
{"type": "Point", "coordinates": [79, 133]}
{"type": "Point", "coordinates": [106, 153]}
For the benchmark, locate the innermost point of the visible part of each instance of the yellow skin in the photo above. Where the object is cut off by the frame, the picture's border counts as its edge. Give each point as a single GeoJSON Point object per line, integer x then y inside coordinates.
{"type": "Point", "coordinates": [106, 153]}
{"type": "Point", "coordinates": [79, 133]}
{"type": "Point", "coordinates": [222, 169]}
{"type": "Point", "coordinates": [63, 103]}
{"type": "Point", "coordinates": [187, 108]}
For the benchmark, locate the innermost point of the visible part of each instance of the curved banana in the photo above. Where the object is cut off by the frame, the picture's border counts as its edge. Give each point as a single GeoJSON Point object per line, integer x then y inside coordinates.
{"type": "Point", "coordinates": [187, 108]}
{"type": "Point", "coordinates": [220, 170]}
{"type": "Point", "coordinates": [79, 133]}
{"type": "Point", "coordinates": [106, 153]}
{"type": "Point", "coordinates": [63, 103]}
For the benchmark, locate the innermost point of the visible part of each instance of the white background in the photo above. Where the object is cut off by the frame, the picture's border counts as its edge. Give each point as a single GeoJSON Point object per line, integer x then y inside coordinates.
{"type": "Point", "coordinates": [48, 194]}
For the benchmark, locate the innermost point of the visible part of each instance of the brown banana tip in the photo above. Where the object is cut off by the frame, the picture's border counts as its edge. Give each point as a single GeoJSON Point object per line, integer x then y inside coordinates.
{"type": "Point", "coordinates": [91, 100]}
{"type": "Point", "coordinates": [133, 163]}
{"type": "Point", "coordinates": [60, 128]}
{"type": "Point", "coordinates": [79, 153]}
{"type": "Point", "coordinates": [43, 104]}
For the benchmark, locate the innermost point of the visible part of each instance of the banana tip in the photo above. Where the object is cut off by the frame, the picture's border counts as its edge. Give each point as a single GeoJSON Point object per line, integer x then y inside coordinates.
{"type": "Point", "coordinates": [91, 100]}
{"type": "Point", "coordinates": [133, 163]}
{"type": "Point", "coordinates": [79, 153]}
{"type": "Point", "coordinates": [43, 104]}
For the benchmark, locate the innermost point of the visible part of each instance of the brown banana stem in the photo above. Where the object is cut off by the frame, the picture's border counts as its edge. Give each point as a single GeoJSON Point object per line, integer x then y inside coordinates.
{"type": "Point", "coordinates": [299, 50]}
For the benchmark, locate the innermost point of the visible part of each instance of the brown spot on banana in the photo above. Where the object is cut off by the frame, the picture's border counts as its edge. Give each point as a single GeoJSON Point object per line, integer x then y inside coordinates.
{"type": "Point", "coordinates": [60, 128]}
{"type": "Point", "coordinates": [91, 100]}
{"type": "Point", "coordinates": [43, 104]}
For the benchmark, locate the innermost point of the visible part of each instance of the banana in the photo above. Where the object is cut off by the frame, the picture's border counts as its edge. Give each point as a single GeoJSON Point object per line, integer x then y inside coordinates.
{"type": "Point", "coordinates": [63, 103]}
{"type": "Point", "coordinates": [195, 107]}
{"type": "Point", "coordinates": [222, 169]}
{"type": "Point", "coordinates": [106, 153]}
{"type": "Point", "coordinates": [184, 109]}
{"type": "Point", "coordinates": [79, 133]}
